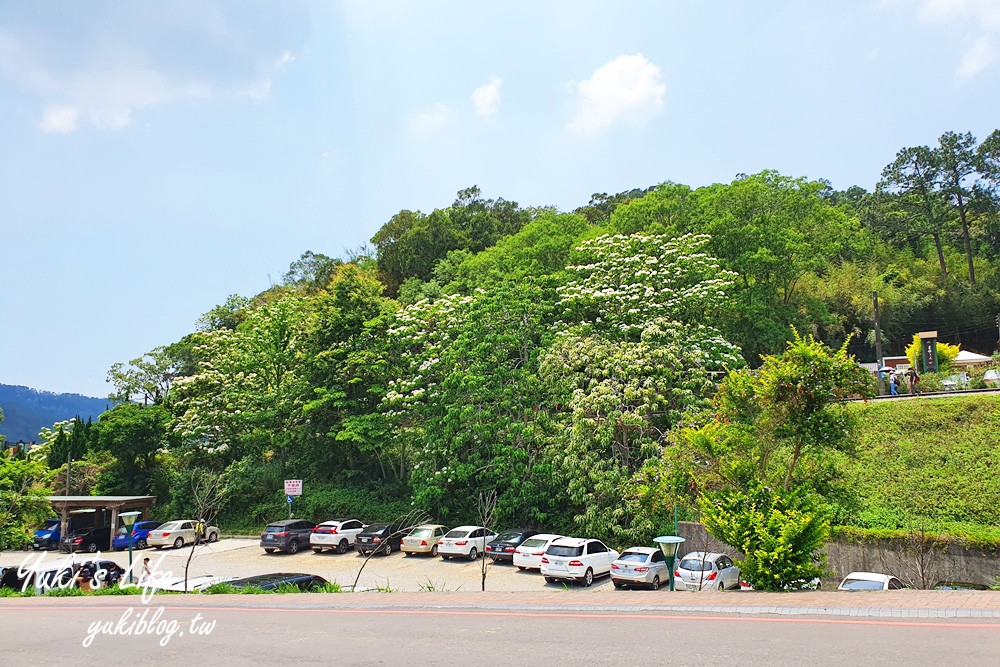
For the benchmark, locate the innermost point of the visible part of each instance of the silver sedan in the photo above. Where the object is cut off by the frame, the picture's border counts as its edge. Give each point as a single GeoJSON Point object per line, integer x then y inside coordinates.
{"type": "Point", "coordinates": [640, 566]}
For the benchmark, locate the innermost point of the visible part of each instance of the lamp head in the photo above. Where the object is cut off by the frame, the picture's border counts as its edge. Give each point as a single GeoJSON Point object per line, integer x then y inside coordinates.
{"type": "Point", "coordinates": [128, 518]}
{"type": "Point", "coordinates": [669, 545]}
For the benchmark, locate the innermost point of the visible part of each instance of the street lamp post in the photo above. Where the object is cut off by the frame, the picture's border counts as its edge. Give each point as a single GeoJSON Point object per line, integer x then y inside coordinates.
{"type": "Point", "coordinates": [128, 518]}
{"type": "Point", "coordinates": [669, 545]}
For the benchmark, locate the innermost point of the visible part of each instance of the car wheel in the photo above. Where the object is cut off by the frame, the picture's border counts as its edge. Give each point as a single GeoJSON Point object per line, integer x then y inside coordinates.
{"type": "Point", "coordinates": [318, 550]}
{"type": "Point", "coordinates": [473, 553]}
{"type": "Point", "coordinates": [656, 583]}
{"type": "Point", "coordinates": [550, 580]}
{"type": "Point", "coordinates": [618, 584]}
{"type": "Point", "coordinates": [157, 547]}
{"type": "Point", "coordinates": [342, 547]}
{"type": "Point", "coordinates": [444, 557]}
{"type": "Point", "coordinates": [588, 577]}
{"type": "Point", "coordinates": [140, 544]}
{"type": "Point", "coordinates": [267, 551]}
{"type": "Point", "coordinates": [721, 587]}
{"type": "Point", "coordinates": [178, 543]}
{"type": "Point", "coordinates": [521, 567]}
{"type": "Point", "coordinates": [434, 550]}
{"type": "Point", "coordinates": [92, 547]}
{"type": "Point", "coordinates": [213, 537]}
{"type": "Point", "coordinates": [293, 547]}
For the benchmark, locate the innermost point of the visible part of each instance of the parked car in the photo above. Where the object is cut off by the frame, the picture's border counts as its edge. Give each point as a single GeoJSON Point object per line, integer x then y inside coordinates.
{"type": "Point", "coordinates": [380, 539]}
{"type": "Point", "coordinates": [194, 584]}
{"type": "Point", "coordinates": [640, 566]}
{"type": "Point", "coordinates": [98, 573]}
{"type": "Point", "coordinates": [577, 559]}
{"type": "Point", "coordinates": [992, 378]}
{"type": "Point", "coordinates": [179, 533]}
{"type": "Point", "coordinates": [49, 537]}
{"type": "Point", "coordinates": [87, 539]}
{"type": "Point", "coordinates": [467, 541]}
{"type": "Point", "coordinates": [269, 582]}
{"type": "Point", "coordinates": [338, 535]}
{"type": "Point", "coordinates": [707, 571]}
{"type": "Point", "coordinates": [138, 535]}
{"type": "Point", "coordinates": [502, 547]}
{"type": "Point", "coordinates": [870, 581]}
{"type": "Point", "coordinates": [423, 539]}
{"type": "Point", "coordinates": [529, 554]}
{"type": "Point", "coordinates": [288, 535]}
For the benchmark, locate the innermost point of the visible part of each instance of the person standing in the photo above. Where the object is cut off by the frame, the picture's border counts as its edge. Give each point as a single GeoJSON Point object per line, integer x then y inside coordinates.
{"type": "Point", "coordinates": [894, 385]}
{"type": "Point", "coordinates": [912, 378]}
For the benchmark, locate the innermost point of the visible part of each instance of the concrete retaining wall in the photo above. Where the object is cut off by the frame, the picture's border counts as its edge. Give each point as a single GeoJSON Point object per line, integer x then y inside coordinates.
{"type": "Point", "coordinates": [916, 562]}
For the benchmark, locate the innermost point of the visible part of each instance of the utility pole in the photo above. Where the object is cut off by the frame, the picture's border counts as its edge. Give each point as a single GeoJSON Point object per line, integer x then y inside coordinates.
{"type": "Point", "coordinates": [878, 344]}
{"type": "Point", "coordinates": [69, 463]}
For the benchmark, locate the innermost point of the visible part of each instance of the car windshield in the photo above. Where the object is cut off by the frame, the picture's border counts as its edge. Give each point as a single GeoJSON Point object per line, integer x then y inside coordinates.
{"type": "Point", "coordinates": [634, 556]}
{"type": "Point", "coordinates": [377, 528]}
{"type": "Point", "coordinates": [512, 536]}
{"type": "Point", "coordinates": [422, 532]}
{"type": "Point", "coordinates": [861, 585]}
{"type": "Point", "coordinates": [173, 525]}
{"type": "Point", "coordinates": [122, 531]}
{"type": "Point", "coordinates": [534, 542]}
{"type": "Point", "coordinates": [556, 550]}
{"type": "Point", "coordinates": [269, 529]}
{"type": "Point", "coordinates": [696, 565]}
{"type": "Point", "coordinates": [457, 533]}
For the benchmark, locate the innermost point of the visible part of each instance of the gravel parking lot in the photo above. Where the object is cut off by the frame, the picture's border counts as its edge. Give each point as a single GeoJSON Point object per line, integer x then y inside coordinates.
{"type": "Point", "coordinates": [237, 557]}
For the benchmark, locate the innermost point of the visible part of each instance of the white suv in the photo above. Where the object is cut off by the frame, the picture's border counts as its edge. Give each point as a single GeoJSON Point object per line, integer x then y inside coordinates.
{"type": "Point", "coordinates": [338, 535]}
{"type": "Point", "coordinates": [467, 541]}
{"type": "Point", "coordinates": [578, 559]}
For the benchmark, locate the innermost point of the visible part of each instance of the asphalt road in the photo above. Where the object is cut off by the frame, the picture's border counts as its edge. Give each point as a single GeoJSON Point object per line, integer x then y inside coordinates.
{"type": "Point", "coordinates": [267, 630]}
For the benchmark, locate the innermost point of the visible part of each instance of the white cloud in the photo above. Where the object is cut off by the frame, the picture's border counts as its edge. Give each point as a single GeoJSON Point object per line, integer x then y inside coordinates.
{"type": "Point", "coordinates": [978, 57]}
{"type": "Point", "coordinates": [486, 98]}
{"type": "Point", "coordinates": [627, 89]}
{"type": "Point", "coordinates": [431, 119]}
{"type": "Point", "coordinates": [108, 85]}
{"type": "Point", "coordinates": [60, 119]}
{"type": "Point", "coordinates": [981, 18]}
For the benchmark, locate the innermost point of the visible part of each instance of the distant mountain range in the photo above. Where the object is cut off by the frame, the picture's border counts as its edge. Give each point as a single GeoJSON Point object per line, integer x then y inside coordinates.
{"type": "Point", "coordinates": [26, 410]}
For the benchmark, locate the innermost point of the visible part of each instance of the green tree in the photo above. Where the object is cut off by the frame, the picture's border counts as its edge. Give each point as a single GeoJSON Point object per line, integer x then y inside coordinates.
{"type": "Point", "coordinates": [780, 532]}
{"type": "Point", "coordinates": [23, 498]}
{"type": "Point", "coordinates": [132, 434]}
{"type": "Point", "coordinates": [793, 401]}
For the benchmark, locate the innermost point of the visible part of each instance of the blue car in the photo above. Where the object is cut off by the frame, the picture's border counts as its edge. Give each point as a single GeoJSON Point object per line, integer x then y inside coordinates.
{"type": "Point", "coordinates": [140, 532]}
{"type": "Point", "coordinates": [47, 537]}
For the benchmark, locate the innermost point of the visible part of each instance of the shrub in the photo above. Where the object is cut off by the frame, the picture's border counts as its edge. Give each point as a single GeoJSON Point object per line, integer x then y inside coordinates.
{"type": "Point", "coordinates": [780, 532]}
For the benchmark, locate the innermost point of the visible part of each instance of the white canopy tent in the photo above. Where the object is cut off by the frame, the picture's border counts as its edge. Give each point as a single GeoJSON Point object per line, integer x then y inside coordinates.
{"type": "Point", "coordinates": [966, 358]}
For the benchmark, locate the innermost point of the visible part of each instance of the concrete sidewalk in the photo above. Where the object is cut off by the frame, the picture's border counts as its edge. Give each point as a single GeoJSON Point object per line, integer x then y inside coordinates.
{"type": "Point", "coordinates": [909, 604]}
{"type": "Point", "coordinates": [882, 604]}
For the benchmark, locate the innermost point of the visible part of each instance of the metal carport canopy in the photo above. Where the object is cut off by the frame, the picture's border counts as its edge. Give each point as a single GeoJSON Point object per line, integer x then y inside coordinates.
{"type": "Point", "coordinates": [64, 504]}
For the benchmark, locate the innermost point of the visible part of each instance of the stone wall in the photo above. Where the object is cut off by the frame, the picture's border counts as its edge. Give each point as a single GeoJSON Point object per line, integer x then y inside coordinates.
{"type": "Point", "coordinates": [918, 563]}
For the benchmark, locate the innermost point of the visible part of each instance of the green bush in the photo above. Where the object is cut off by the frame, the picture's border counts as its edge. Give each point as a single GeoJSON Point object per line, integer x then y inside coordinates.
{"type": "Point", "coordinates": [780, 532]}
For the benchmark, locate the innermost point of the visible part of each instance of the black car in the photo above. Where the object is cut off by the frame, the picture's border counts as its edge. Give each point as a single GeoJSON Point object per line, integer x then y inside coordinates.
{"type": "Point", "coordinates": [98, 573]}
{"type": "Point", "coordinates": [269, 582]}
{"type": "Point", "coordinates": [502, 548]}
{"type": "Point", "coordinates": [87, 539]}
{"type": "Point", "coordinates": [287, 535]}
{"type": "Point", "coordinates": [380, 539]}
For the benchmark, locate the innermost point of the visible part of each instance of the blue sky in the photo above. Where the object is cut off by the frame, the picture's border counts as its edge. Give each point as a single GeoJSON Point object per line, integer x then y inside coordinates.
{"type": "Point", "coordinates": [157, 157]}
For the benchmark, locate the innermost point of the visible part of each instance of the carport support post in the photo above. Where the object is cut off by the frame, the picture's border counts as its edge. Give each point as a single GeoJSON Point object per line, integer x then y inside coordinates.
{"type": "Point", "coordinates": [114, 527]}
{"type": "Point", "coordinates": [63, 523]}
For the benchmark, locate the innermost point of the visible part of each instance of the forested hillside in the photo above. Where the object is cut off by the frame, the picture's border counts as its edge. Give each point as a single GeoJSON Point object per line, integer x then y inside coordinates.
{"type": "Point", "coordinates": [26, 411]}
{"type": "Point", "coordinates": [569, 361]}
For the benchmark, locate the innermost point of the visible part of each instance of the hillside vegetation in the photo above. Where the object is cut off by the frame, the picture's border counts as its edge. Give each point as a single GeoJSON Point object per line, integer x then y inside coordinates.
{"type": "Point", "coordinates": [929, 464]}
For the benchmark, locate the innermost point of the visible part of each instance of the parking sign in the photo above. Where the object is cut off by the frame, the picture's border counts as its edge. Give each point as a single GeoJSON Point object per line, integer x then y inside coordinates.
{"type": "Point", "coordinates": [293, 487]}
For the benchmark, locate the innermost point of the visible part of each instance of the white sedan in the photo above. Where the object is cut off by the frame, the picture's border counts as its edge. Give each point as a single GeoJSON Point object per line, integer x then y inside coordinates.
{"type": "Point", "coordinates": [529, 554]}
{"type": "Point", "coordinates": [870, 581]}
{"type": "Point", "coordinates": [577, 559]}
{"type": "Point", "coordinates": [338, 535]}
{"type": "Point", "coordinates": [707, 571]}
{"type": "Point", "coordinates": [179, 533]}
{"type": "Point", "coordinates": [640, 566]}
{"type": "Point", "coordinates": [467, 541]}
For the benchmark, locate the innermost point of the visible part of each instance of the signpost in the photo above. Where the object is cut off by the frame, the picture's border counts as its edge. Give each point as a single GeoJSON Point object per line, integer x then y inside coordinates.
{"type": "Point", "coordinates": [293, 487]}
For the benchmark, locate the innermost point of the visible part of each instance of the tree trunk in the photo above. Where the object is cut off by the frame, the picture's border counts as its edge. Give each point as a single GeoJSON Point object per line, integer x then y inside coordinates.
{"type": "Point", "coordinates": [940, 252]}
{"type": "Point", "coordinates": [968, 242]}
{"type": "Point", "coordinates": [791, 465]}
